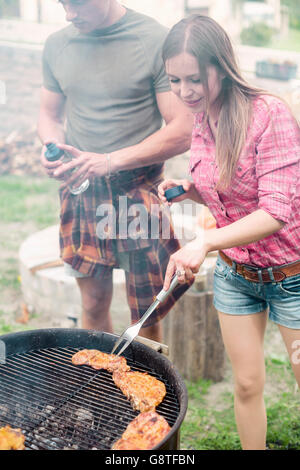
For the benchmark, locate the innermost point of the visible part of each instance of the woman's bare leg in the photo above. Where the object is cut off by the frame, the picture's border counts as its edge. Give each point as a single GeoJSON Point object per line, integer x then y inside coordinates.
{"type": "Point", "coordinates": [243, 338]}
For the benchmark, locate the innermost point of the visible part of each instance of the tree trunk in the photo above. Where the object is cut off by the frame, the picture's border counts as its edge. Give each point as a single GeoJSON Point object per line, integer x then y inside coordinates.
{"type": "Point", "coordinates": [192, 332]}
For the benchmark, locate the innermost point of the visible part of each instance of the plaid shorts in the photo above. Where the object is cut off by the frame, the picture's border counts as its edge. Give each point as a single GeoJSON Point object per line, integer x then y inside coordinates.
{"type": "Point", "coordinates": [146, 258]}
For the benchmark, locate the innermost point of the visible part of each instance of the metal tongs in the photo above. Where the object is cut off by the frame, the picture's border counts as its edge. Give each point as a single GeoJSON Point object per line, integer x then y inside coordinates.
{"type": "Point", "coordinates": [132, 331]}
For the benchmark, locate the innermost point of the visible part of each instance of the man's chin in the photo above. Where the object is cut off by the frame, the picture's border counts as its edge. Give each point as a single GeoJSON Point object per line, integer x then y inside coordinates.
{"type": "Point", "coordinates": [83, 28]}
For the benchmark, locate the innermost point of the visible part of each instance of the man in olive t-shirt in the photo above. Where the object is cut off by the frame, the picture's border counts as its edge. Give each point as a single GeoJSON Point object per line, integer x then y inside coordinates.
{"type": "Point", "coordinates": [103, 100]}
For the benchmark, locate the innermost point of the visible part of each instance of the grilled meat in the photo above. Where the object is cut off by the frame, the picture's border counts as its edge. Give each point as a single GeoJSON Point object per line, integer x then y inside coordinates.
{"type": "Point", "coordinates": [143, 433]}
{"type": "Point", "coordinates": [111, 362]}
{"type": "Point", "coordinates": [11, 439]}
{"type": "Point", "coordinates": [83, 357]}
{"type": "Point", "coordinates": [100, 360]}
{"type": "Point", "coordinates": [144, 391]}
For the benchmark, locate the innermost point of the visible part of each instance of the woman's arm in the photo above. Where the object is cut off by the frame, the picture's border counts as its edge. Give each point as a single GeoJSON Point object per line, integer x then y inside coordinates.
{"type": "Point", "coordinates": [249, 229]}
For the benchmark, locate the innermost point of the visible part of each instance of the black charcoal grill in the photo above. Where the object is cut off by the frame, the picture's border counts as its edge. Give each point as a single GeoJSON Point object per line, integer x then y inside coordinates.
{"type": "Point", "coordinates": [61, 406]}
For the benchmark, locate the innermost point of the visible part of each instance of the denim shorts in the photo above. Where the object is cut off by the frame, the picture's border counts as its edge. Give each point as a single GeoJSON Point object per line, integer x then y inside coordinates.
{"type": "Point", "coordinates": [235, 295]}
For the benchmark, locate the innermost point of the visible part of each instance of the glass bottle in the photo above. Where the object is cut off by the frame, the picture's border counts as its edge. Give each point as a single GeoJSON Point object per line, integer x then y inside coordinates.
{"type": "Point", "coordinates": [52, 154]}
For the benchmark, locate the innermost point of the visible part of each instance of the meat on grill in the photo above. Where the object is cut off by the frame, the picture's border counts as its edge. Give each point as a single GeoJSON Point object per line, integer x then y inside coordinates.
{"type": "Point", "coordinates": [100, 360]}
{"type": "Point", "coordinates": [83, 357]}
{"type": "Point", "coordinates": [11, 439]}
{"type": "Point", "coordinates": [143, 433]}
{"type": "Point", "coordinates": [144, 391]}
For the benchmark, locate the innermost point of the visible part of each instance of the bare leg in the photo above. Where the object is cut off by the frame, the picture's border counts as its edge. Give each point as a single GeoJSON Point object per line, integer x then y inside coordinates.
{"type": "Point", "coordinates": [291, 339]}
{"type": "Point", "coordinates": [96, 296]}
{"type": "Point", "coordinates": [243, 339]}
{"type": "Point", "coordinates": [153, 332]}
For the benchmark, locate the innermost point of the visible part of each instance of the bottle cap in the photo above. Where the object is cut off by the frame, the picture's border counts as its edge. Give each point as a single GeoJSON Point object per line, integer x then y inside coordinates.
{"type": "Point", "coordinates": [53, 153]}
{"type": "Point", "coordinates": [174, 192]}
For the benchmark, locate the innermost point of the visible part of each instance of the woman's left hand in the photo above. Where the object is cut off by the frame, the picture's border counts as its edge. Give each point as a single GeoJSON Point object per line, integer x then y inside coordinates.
{"type": "Point", "coordinates": [87, 164]}
{"type": "Point", "coordinates": [185, 262]}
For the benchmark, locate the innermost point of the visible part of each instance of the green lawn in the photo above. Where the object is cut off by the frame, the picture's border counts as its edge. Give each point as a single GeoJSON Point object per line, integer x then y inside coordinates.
{"type": "Point", "coordinates": [26, 205]}
{"type": "Point", "coordinates": [25, 199]}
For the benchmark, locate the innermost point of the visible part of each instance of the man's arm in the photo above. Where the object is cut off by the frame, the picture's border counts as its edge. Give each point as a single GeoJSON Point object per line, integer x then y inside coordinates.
{"type": "Point", "coordinates": [51, 116]}
{"type": "Point", "coordinates": [51, 124]}
{"type": "Point", "coordinates": [172, 139]}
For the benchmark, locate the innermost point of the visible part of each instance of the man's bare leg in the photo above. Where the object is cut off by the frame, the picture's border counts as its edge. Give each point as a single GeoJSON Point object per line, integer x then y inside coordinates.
{"type": "Point", "coordinates": [96, 296]}
{"type": "Point", "coordinates": [153, 332]}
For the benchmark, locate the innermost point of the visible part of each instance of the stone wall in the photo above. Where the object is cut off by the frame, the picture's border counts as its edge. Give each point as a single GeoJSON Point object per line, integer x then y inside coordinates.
{"type": "Point", "coordinates": [20, 71]}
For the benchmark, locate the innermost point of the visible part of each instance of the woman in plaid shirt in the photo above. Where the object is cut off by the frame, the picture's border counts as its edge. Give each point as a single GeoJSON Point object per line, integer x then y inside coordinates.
{"type": "Point", "coordinates": [245, 159]}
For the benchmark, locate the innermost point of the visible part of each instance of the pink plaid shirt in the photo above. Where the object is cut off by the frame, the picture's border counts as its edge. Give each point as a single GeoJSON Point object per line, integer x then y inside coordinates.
{"type": "Point", "coordinates": [267, 177]}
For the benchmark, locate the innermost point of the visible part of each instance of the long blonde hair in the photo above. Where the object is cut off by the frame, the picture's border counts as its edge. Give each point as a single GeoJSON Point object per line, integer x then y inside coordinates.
{"type": "Point", "coordinates": [207, 41]}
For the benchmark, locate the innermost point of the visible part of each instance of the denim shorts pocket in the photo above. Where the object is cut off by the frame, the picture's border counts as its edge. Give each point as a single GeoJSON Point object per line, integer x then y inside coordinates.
{"type": "Point", "coordinates": [291, 285]}
{"type": "Point", "coordinates": [222, 270]}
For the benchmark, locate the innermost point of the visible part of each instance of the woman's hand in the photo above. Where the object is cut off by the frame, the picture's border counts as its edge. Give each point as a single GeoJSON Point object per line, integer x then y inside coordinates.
{"type": "Point", "coordinates": [87, 164]}
{"type": "Point", "coordinates": [171, 183]}
{"type": "Point", "coordinates": [185, 262]}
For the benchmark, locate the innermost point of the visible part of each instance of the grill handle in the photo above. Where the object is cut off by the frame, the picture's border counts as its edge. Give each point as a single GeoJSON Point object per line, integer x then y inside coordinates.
{"type": "Point", "coordinates": [158, 347]}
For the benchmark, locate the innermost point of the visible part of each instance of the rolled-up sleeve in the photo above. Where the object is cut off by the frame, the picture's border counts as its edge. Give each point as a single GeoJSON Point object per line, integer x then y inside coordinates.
{"type": "Point", "coordinates": [278, 161]}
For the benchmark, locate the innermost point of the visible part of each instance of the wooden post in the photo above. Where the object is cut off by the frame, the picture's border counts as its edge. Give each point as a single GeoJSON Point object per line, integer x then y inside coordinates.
{"type": "Point", "coordinates": [192, 332]}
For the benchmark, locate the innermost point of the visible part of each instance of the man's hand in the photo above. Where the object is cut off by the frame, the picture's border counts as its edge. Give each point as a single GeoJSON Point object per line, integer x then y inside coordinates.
{"type": "Point", "coordinates": [50, 166]}
{"type": "Point", "coordinates": [84, 164]}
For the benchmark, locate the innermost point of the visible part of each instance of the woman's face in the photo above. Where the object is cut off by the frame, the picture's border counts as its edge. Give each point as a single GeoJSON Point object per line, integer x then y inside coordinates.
{"type": "Point", "coordinates": [185, 79]}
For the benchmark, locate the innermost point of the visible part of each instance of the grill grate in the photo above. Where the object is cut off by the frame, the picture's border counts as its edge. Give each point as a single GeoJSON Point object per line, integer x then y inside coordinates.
{"type": "Point", "coordinates": [61, 406]}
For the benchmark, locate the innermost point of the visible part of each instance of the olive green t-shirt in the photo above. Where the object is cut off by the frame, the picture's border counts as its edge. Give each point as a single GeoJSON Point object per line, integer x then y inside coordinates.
{"type": "Point", "coordinates": [110, 78]}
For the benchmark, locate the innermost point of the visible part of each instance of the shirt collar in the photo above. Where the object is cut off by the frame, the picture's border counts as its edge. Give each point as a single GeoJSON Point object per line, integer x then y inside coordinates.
{"type": "Point", "coordinates": [201, 126]}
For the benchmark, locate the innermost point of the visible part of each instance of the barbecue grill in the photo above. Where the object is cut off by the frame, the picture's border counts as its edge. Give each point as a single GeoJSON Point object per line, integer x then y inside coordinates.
{"type": "Point", "coordinates": [61, 406]}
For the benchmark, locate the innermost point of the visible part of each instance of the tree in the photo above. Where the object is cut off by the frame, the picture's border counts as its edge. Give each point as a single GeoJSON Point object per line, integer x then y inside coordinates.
{"type": "Point", "coordinates": [258, 34]}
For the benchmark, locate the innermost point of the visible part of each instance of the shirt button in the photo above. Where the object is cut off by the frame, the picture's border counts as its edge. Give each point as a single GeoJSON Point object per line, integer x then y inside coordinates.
{"type": "Point", "coordinates": [222, 209]}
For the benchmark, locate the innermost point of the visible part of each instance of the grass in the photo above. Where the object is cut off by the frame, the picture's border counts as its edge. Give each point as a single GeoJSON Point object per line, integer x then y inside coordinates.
{"type": "Point", "coordinates": [28, 199]}
{"type": "Point", "coordinates": [27, 205]}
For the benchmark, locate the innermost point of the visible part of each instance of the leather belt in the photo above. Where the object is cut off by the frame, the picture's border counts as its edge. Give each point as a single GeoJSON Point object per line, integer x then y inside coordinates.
{"type": "Point", "coordinates": [262, 274]}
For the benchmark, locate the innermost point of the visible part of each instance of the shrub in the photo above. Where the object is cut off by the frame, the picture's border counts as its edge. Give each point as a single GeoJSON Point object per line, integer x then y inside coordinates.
{"type": "Point", "coordinates": [258, 34]}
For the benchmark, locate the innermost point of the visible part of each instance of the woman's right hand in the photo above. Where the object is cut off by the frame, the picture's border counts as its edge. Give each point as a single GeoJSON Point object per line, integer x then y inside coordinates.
{"type": "Point", "coordinates": [188, 186]}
